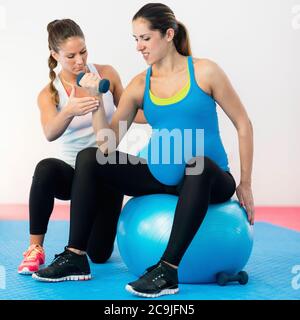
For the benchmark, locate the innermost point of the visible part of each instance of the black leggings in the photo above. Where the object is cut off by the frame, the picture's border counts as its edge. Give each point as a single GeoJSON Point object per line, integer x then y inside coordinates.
{"type": "Point", "coordinates": [195, 193]}
{"type": "Point", "coordinates": [53, 178]}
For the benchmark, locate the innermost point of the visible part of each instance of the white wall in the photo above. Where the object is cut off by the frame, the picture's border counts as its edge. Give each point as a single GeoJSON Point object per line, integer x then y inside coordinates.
{"type": "Point", "coordinates": [256, 42]}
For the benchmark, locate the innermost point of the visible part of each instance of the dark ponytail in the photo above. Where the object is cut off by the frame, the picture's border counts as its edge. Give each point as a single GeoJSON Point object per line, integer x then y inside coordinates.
{"type": "Point", "coordinates": [52, 63]}
{"type": "Point", "coordinates": [182, 40]}
{"type": "Point", "coordinates": [162, 18]}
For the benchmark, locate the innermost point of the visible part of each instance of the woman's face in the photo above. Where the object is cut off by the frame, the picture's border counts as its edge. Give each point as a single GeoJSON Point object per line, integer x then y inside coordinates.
{"type": "Point", "coordinates": [152, 45]}
{"type": "Point", "coordinates": [72, 55]}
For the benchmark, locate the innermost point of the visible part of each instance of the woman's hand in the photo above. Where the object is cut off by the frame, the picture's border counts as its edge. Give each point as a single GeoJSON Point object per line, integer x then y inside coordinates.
{"type": "Point", "coordinates": [90, 82]}
{"type": "Point", "coordinates": [81, 106]}
{"type": "Point", "coordinates": [244, 194]}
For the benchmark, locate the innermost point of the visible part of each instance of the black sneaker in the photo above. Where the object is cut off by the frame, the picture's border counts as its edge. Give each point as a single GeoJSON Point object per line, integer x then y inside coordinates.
{"type": "Point", "coordinates": [65, 266]}
{"type": "Point", "coordinates": [158, 280]}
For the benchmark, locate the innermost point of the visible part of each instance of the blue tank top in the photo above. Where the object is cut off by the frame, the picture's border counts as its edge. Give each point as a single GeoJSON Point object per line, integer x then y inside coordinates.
{"type": "Point", "coordinates": [179, 128]}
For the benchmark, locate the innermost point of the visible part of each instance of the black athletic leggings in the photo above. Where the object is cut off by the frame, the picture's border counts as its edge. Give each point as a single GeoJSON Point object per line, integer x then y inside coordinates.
{"type": "Point", "coordinates": [195, 192]}
{"type": "Point", "coordinates": [53, 178]}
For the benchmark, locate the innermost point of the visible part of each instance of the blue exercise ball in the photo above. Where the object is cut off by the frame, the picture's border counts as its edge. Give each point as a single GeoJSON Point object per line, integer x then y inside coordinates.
{"type": "Point", "coordinates": [223, 242]}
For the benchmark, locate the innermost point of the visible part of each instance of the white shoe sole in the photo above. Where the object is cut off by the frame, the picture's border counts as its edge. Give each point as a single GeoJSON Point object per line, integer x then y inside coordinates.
{"type": "Point", "coordinates": [26, 271]}
{"type": "Point", "coordinates": [68, 278]}
{"type": "Point", "coordinates": [148, 295]}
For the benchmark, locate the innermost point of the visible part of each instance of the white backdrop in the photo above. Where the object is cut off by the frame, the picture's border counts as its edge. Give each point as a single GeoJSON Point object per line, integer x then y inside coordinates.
{"type": "Point", "coordinates": [256, 42]}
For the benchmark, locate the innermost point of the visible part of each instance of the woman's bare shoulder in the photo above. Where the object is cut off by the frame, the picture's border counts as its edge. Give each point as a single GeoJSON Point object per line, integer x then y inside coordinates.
{"type": "Point", "coordinates": [204, 64]}
{"type": "Point", "coordinates": [136, 87]}
{"type": "Point", "coordinates": [45, 93]}
{"type": "Point", "coordinates": [139, 80]}
{"type": "Point", "coordinates": [106, 71]}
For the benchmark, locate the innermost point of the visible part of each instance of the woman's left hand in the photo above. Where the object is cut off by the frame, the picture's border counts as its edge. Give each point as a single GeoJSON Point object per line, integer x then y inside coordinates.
{"type": "Point", "coordinates": [244, 194]}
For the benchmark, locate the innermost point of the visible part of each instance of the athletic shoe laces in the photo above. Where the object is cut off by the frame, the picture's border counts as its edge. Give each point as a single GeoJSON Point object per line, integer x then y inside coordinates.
{"type": "Point", "coordinates": [32, 252]}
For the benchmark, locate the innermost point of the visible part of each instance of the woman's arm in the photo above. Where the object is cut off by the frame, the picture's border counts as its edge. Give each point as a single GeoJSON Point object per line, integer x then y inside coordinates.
{"type": "Point", "coordinates": [127, 109]}
{"type": "Point", "coordinates": [55, 123]}
{"type": "Point", "coordinates": [225, 95]}
{"type": "Point", "coordinates": [117, 89]}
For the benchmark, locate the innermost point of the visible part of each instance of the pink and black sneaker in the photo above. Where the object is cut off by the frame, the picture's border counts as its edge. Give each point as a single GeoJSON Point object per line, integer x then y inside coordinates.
{"type": "Point", "coordinates": [34, 258]}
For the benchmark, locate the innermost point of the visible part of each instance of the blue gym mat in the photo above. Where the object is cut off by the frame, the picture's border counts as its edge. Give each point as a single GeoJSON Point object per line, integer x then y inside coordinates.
{"type": "Point", "coordinates": [276, 251]}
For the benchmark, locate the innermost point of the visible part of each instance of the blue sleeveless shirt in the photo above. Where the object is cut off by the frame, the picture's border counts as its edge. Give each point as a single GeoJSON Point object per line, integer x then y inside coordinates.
{"type": "Point", "coordinates": [182, 130]}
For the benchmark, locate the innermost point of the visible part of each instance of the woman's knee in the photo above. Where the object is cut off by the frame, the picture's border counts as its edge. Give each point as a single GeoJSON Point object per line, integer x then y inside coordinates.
{"type": "Point", "coordinates": [101, 256]}
{"type": "Point", "coordinates": [45, 169]}
{"type": "Point", "coordinates": [200, 166]}
{"type": "Point", "coordinates": [86, 157]}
